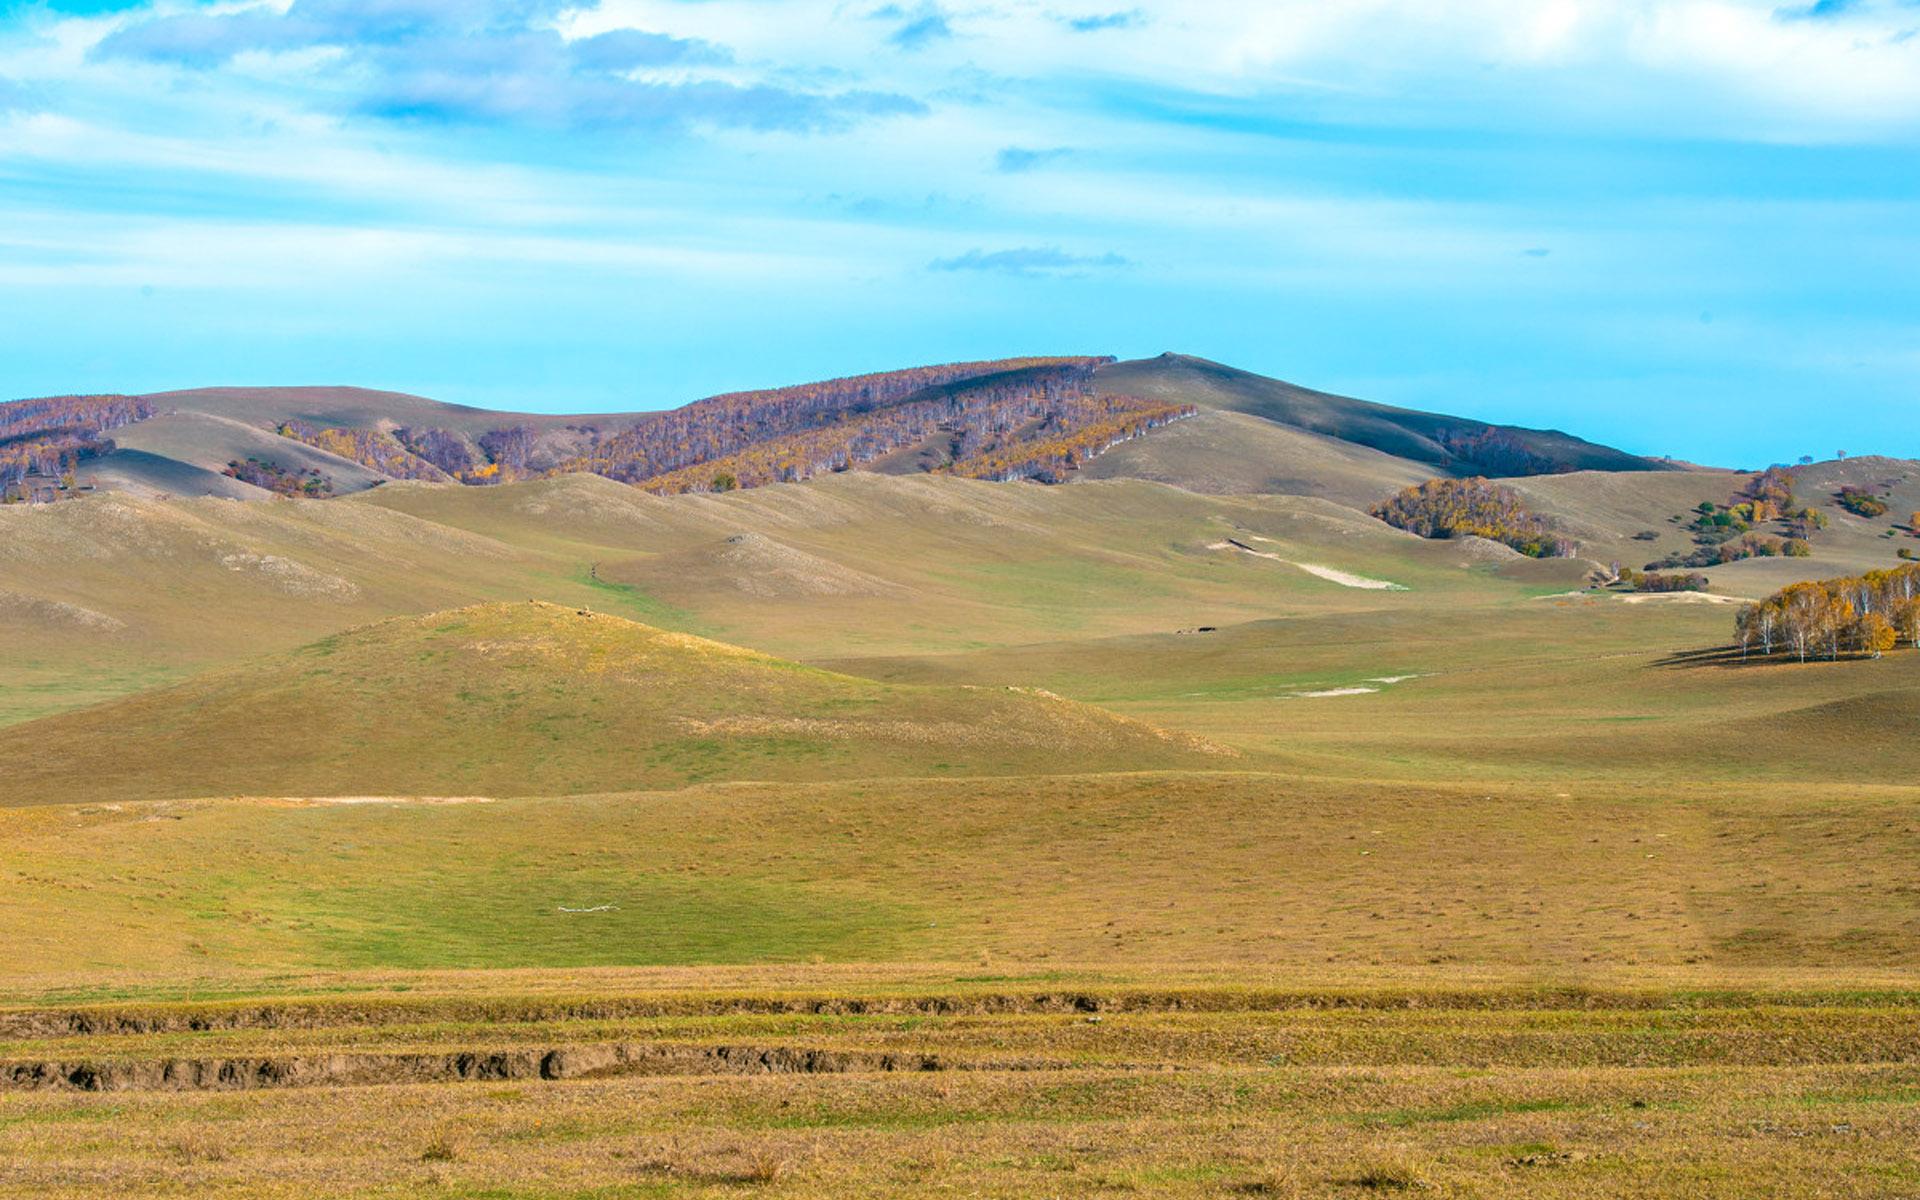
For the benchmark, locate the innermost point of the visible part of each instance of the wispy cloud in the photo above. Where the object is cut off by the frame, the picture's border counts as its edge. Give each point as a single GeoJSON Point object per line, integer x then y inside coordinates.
{"type": "Point", "coordinates": [1016, 159]}
{"type": "Point", "coordinates": [1130, 19]}
{"type": "Point", "coordinates": [495, 61]}
{"type": "Point", "coordinates": [918, 28]}
{"type": "Point", "coordinates": [1026, 260]}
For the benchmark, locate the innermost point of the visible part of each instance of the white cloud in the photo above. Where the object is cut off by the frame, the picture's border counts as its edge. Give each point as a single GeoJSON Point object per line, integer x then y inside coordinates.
{"type": "Point", "coordinates": [1731, 68]}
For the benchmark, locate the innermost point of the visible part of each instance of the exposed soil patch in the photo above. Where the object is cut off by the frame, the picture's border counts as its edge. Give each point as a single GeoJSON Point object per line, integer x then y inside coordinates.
{"type": "Point", "coordinates": [1330, 574]}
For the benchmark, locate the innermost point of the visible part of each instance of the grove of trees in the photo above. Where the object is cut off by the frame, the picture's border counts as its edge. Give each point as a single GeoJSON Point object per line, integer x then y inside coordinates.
{"type": "Point", "coordinates": [1859, 614]}
{"type": "Point", "coordinates": [1063, 444]}
{"type": "Point", "coordinates": [48, 437]}
{"type": "Point", "coordinates": [1659, 581]}
{"type": "Point", "coordinates": [1036, 418]}
{"type": "Point", "coordinates": [371, 448]}
{"type": "Point", "coordinates": [1449, 508]}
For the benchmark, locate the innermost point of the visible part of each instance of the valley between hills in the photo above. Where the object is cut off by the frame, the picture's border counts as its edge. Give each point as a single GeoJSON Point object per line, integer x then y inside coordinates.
{"type": "Point", "coordinates": [1028, 778]}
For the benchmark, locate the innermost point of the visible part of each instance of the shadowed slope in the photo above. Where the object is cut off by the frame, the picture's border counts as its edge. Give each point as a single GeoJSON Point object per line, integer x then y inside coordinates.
{"type": "Point", "coordinates": [1457, 445]}
{"type": "Point", "coordinates": [534, 698]}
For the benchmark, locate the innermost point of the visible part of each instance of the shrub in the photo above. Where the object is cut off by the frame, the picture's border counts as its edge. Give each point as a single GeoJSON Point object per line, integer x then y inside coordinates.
{"type": "Point", "coordinates": [1774, 486]}
{"type": "Point", "coordinates": [1654, 581]}
{"type": "Point", "coordinates": [1861, 502]}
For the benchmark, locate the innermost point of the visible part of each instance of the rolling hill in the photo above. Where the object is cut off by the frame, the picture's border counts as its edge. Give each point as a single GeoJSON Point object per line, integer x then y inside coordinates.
{"type": "Point", "coordinates": [539, 699]}
{"type": "Point", "coordinates": [850, 562]}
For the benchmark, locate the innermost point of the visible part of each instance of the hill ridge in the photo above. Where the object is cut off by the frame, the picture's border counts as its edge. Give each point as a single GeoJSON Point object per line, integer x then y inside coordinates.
{"type": "Point", "coordinates": [1041, 418]}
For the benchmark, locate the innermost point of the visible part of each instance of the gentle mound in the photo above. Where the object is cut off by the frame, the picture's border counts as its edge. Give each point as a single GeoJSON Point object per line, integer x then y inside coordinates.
{"type": "Point", "coordinates": [539, 699]}
{"type": "Point", "coordinates": [756, 565]}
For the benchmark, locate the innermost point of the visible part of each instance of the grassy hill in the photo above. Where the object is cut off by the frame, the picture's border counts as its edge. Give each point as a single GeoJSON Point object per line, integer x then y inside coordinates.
{"type": "Point", "coordinates": [1223, 452]}
{"type": "Point", "coordinates": [537, 699]}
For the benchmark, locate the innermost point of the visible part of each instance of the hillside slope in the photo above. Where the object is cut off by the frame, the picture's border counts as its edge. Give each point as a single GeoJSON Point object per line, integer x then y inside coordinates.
{"type": "Point", "coordinates": [1451, 445]}
{"type": "Point", "coordinates": [539, 699]}
{"type": "Point", "coordinates": [1223, 453]}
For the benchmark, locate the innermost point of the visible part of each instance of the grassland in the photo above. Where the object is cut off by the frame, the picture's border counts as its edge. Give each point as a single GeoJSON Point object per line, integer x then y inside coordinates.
{"type": "Point", "coordinates": [1505, 889]}
{"type": "Point", "coordinates": [1141, 870]}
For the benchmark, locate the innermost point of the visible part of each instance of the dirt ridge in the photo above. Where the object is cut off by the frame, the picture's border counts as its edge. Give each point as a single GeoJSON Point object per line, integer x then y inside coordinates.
{"type": "Point", "coordinates": [578, 1061]}
{"type": "Point", "coordinates": [220, 1016]}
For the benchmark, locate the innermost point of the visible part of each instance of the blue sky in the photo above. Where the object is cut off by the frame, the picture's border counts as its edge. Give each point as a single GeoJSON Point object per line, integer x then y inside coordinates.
{"type": "Point", "coordinates": [1682, 226]}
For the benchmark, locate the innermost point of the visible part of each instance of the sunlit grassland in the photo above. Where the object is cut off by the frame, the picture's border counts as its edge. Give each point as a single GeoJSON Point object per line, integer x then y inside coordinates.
{"type": "Point", "coordinates": [1140, 869]}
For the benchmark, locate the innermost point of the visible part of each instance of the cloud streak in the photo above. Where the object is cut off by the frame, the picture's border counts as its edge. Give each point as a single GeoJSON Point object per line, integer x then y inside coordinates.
{"type": "Point", "coordinates": [1026, 261]}
{"type": "Point", "coordinates": [1132, 18]}
{"type": "Point", "coordinates": [1015, 160]}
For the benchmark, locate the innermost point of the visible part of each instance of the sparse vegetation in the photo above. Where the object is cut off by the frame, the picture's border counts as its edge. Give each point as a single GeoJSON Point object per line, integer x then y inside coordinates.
{"type": "Point", "coordinates": [307, 484]}
{"type": "Point", "coordinates": [1730, 532]}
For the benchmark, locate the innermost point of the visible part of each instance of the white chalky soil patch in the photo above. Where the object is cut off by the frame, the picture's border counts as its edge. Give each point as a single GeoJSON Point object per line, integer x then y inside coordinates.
{"type": "Point", "coordinates": [1330, 574]}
